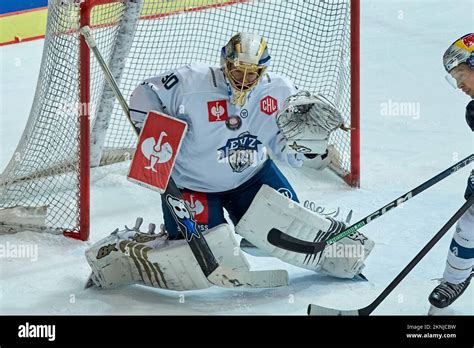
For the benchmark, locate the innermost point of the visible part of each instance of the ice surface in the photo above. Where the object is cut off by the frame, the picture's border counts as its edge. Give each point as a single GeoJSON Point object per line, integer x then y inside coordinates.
{"type": "Point", "coordinates": [402, 43]}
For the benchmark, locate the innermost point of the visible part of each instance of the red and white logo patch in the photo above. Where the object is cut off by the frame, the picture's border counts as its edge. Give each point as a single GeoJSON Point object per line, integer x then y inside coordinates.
{"type": "Point", "coordinates": [217, 110]}
{"type": "Point", "coordinates": [197, 203]}
{"type": "Point", "coordinates": [268, 105]}
{"type": "Point", "coordinates": [468, 40]}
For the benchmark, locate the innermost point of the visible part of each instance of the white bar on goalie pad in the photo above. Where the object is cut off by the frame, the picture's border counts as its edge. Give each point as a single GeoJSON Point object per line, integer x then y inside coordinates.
{"type": "Point", "coordinates": [171, 264]}
{"type": "Point", "coordinates": [270, 209]}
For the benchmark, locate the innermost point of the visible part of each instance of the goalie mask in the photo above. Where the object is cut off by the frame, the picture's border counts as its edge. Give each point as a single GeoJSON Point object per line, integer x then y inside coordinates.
{"type": "Point", "coordinates": [244, 60]}
{"type": "Point", "coordinates": [461, 51]}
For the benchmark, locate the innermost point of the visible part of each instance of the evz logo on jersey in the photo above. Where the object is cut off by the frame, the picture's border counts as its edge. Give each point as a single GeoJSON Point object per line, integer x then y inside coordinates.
{"type": "Point", "coordinates": [240, 152]}
{"type": "Point", "coordinates": [268, 105]}
{"type": "Point", "coordinates": [217, 110]}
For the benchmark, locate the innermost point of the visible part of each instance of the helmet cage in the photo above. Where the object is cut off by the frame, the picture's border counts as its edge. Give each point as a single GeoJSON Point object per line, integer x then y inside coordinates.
{"type": "Point", "coordinates": [247, 83]}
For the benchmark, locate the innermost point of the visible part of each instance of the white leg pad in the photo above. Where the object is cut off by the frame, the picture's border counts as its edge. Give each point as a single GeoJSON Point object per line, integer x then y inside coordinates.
{"type": "Point", "coordinates": [269, 209]}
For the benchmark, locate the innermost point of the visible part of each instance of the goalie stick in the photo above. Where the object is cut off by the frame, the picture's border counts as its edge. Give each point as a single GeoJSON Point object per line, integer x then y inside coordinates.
{"type": "Point", "coordinates": [215, 273]}
{"type": "Point", "coordinates": [320, 310]}
{"type": "Point", "coordinates": [284, 241]}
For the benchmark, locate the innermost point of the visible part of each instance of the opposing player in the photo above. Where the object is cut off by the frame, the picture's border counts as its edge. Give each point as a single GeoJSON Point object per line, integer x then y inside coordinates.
{"type": "Point", "coordinates": [459, 63]}
{"type": "Point", "coordinates": [235, 113]}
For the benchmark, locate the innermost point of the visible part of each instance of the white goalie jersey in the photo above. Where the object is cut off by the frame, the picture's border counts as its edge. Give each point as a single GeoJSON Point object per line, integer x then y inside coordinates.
{"type": "Point", "coordinates": [226, 143]}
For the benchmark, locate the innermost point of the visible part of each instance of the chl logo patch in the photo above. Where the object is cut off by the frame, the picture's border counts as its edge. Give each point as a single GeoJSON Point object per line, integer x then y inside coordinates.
{"type": "Point", "coordinates": [268, 105]}
{"type": "Point", "coordinates": [217, 110]}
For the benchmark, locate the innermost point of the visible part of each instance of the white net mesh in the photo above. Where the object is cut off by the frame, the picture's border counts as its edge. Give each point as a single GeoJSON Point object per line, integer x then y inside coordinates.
{"type": "Point", "coordinates": [309, 42]}
{"type": "Point", "coordinates": [43, 170]}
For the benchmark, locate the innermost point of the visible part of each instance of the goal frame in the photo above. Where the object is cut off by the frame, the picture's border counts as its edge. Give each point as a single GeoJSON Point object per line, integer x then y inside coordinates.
{"type": "Point", "coordinates": [84, 145]}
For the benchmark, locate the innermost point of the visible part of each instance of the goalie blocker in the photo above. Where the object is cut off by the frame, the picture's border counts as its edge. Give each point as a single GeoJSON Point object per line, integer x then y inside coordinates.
{"type": "Point", "coordinates": [343, 259]}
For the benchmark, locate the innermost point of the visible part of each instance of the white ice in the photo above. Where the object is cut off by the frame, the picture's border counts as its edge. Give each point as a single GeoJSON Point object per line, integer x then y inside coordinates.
{"type": "Point", "coordinates": [401, 47]}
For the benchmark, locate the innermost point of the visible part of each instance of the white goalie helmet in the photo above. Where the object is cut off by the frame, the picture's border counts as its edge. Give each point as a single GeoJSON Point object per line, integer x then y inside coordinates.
{"type": "Point", "coordinates": [244, 60]}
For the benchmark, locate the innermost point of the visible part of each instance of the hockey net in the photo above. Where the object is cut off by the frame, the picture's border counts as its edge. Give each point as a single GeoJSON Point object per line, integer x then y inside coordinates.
{"type": "Point", "coordinates": [75, 122]}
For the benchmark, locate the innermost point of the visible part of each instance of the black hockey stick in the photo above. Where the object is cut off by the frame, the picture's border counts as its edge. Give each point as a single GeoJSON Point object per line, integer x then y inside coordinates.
{"type": "Point", "coordinates": [198, 243]}
{"type": "Point", "coordinates": [320, 310]}
{"type": "Point", "coordinates": [284, 241]}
